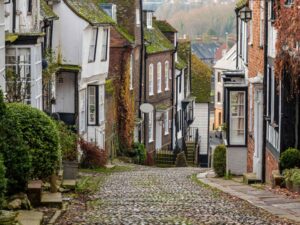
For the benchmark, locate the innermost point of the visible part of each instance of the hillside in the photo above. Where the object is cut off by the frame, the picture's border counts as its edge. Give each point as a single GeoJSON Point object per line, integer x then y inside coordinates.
{"type": "Point", "coordinates": [199, 19]}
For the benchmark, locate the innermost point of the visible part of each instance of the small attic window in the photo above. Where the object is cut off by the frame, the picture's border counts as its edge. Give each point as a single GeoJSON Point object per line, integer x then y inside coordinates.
{"type": "Point", "coordinates": [110, 9]}
{"type": "Point", "coordinates": [149, 20]}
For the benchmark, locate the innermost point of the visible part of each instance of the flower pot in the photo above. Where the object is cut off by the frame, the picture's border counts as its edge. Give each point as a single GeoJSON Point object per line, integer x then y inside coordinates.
{"type": "Point", "coordinates": [296, 188]}
{"type": "Point", "coordinates": [70, 170]}
{"type": "Point", "coordinates": [289, 185]}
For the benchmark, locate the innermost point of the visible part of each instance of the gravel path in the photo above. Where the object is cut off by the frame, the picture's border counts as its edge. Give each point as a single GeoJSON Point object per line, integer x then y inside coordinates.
{"type": "Point", "coordinates": [162, 196]}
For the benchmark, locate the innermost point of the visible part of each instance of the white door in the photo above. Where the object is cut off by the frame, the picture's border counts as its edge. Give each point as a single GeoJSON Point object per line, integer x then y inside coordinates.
{"type": "Point", "coordinates": [258, 132]}
{"type": "Point", "coordinates": [158, 140]}
{"type": "Point", "coordinates": [65, 93]}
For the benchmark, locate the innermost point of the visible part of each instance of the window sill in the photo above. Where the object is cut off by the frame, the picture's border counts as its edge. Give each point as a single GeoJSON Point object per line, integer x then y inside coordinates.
{"type": "Point", "coordinates": [150, 141]}
{"type": "Point", "coordinates": [166, 134]}
{"type": "Point", "coordinates": [90, 61]}
{"type": "Point", "coordinates": [151, 94]}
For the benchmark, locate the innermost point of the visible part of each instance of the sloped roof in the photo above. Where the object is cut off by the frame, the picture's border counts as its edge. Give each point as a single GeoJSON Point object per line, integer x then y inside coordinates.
{"type": "Point", "coordinates": [164, 26]}
{"type": "Point", "coordinates": [157, 41]}
{"type": "Point", "coordinates": [228, 61]}
{"type": "Point", "coordinates": [205, 50]}
{"type": "Point", "coordinates": [89, 11]}
{"type": "Point", "coordinates": [240, 3]}
{"type": "Point", "coordinates": [47, 12]}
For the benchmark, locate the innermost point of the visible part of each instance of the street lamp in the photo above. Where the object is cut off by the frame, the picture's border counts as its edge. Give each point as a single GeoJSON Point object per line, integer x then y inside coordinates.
{"type": "Point", "coordinates": [246, 14]}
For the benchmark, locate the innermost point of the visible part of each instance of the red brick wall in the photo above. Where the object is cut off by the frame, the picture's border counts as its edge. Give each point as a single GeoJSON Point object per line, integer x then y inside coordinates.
{"type": "Point", "coordinates": [255, 66]}
{"type": "Point", "coordinates": [271, 164]}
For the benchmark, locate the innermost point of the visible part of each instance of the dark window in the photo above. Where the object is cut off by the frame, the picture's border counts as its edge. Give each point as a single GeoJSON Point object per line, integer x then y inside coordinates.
{"type": "Point", "coordinates": [104, 45]}
{"type": "Point", "coordinates": [219, 97]}
{"type": "Point", "coordinates": [93, 45]}
{"type": "Point", "coordinates": [289, 2]}
{"type": "Point", "coordinates": [269, 91]}
{"type": "Point", "coordinates": [220, 118]}
{"type": "Point", "coordinates": [29, 6]}
{"type": "Point", "coordinates": [219, 76]}
{"type": "Point", "coordinates": [276, 104]}
{"type": "Point", "coordinates": [273, 7]}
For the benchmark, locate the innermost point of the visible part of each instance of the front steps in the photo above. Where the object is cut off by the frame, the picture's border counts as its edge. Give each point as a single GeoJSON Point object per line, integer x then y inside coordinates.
{"type": "Point", "coordinates": [250, 178]}
{"type": "Point", "coordinates": [190, 146]}
{"type": "Point", "coordinates": [164, 158]}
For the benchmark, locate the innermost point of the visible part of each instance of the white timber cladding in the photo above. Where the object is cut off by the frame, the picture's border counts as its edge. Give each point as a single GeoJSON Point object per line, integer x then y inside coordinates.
{"type": "Point", "coordinates": [27, 19]}
{"type": "Point", "coordinates": [85, 46]}
{"type": "Point", "coordinates": [202, 123]}
{"type": "Point", "coordinates": [2, 46]}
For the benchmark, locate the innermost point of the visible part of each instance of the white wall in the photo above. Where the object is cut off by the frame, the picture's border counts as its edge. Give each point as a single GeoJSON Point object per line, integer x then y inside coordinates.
{"type": "Point", "coordinates": [2, 46]}
{"type": "Point", "coordinates": [218, 88]}
{"type": "Point", "coordinates": [202, 123]}
{"type": "Point", "coordinates": [25, 22]}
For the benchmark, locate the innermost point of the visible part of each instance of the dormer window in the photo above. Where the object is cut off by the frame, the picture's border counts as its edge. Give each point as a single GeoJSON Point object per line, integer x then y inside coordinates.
{"type": "Point", "coordinates": [110, 9]}
{"type": "Point", "coordinates": [149, 20]}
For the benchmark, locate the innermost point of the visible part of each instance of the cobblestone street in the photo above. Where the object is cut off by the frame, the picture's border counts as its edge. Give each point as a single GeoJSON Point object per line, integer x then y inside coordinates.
{"type": "Point", "coordinates": [161, 196]}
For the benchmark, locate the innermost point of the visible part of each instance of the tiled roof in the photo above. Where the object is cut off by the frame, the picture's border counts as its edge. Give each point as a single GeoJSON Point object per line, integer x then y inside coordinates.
{"type": "Point", "coordinates": [90, 11]}
{"type": "Point", "coordinates": [47, 12]}
{"type": "Point", "coordinates": [156, 40]}
{"type": "Point", "coordinates": [164, 26]}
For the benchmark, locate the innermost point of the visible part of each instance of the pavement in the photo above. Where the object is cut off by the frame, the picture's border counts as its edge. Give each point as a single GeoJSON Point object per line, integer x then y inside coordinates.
{"type": "Point", "coordinates": [273, 203]}
{"type": "Point", "coordinates": [149, 195]}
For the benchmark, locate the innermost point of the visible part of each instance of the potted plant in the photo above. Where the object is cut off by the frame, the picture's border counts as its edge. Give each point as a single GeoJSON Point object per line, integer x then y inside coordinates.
{"type": "Point", "coordinates": [296, 180]}
{"type": "Point", "coordinates": [288, 173]}
{"type": "Point", "coordinates": [68, 144]}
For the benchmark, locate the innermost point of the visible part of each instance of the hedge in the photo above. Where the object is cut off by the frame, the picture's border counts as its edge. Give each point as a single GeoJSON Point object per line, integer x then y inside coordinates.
{"type": "Point", "coordinates": [219, 160]}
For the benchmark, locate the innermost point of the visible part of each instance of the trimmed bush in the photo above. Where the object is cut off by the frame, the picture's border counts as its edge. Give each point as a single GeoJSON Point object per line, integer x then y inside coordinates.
{"type": "Point", "coordinates": [295, 178]}
{"type": "Point", "coordinates": [92, 156]}
{"type": "Point", "coordinates": [14, 150]}
{"type": "Point", "coordinates": [41, 135]}
{"type": "Point", "coordinates": [3, 182]}
{"type": "Point", "coordinates": [290, 159]}
{"type": "Point", "coordinates": [181, 160]}
{"type": "Point", "coordinates": [219, 161]}
{"type": "Point", "coordinates": [140, 153]}
{"type": "Point", "coordinates": [68, 142]}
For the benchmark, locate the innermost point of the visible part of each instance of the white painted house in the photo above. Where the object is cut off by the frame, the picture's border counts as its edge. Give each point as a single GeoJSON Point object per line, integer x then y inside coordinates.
{"type": "Point", "coordinates": [23, 50]}
{"type": "Point", "coordinates": [81, 39]}
{"type": "Point", "coordinates": [2, 46]}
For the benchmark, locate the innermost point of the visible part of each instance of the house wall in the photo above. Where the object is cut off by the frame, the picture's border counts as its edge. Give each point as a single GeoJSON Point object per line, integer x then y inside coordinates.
{"type": "Point", "coordinates": [272, 163]}
{"type": "Point", "coordinates": [202, 123]}
{"type": "Point", "coordinates": [159, 98]}
{"type": "Point", "coordinates": [26, 22]}
{"type": "Point", "coordinates": [255, 67]}
{"type": "Point", "coordinates": [236, 160]}
{"type": "Point", "coordinates": [2, 46]}
{"type": "Point", "coordinates": [218, 105]}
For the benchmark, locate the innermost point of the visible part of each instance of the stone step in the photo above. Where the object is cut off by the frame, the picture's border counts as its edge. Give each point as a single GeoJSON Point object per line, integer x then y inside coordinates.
{"type": "Point", "coordinates": [69, 184]}
{"type": "Point", "coordinates": [30, 217]}
{"type": "Point", "coordinates": [52, 199]}
{"type": "Point", "coordinates": [250, 178]}
{"type": "Point", "coordinates": [34, 191]}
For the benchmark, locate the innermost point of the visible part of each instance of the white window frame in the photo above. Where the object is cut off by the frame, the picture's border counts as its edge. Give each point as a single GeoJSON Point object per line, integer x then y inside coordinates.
{"type": "Point", "coordinates": [151, 85]}
{"type": "Point", "coordinates": [137, 17]}
{"type": "Point", "coordinates": [261, 24]}
{"type": "Point", "coordinates": [251, 24]}
{"type": "Point", "coordinates": [104, 49]}
{"type": "Point", "coordinates": [93, 45]}
{"type": "Point", "coordinates": [149, 20]}
{"type": "Point", "coordinates": [101, 94]}
{"type": "Point", "coordinates": [166, 123]}
{"type": "Point", "coordinates": [159, 81]}
{"type": "Point", "coordinates": [92, 102]}
{"type": "Point", "coordinates": [167, 67]}
{"type": "Point", "coordinates": [150, 127]}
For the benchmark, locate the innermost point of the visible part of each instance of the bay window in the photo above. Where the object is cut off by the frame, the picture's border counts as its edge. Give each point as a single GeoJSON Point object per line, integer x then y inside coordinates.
{"type": "Point", "coordinates": [158, 77]}
{"type": "Point", "coordinates": [151, 89]}
{"type": "Point", "coordinates": [237, 118]}
{"type": "Point", "coordinates": [167, 75]}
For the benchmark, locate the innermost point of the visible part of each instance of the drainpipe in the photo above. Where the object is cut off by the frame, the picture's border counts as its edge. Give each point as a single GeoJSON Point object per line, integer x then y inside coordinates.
{"type": "Point", "coordinates": [172, 99]}
{"type": "Point", "coordinates": [14, 16]}
{"type": "Point", "coordinates": [141, 66]}
{"type": "Point", "coordinates": [237, 37]}
{"type": "Point", "coordinates": [265, 93]}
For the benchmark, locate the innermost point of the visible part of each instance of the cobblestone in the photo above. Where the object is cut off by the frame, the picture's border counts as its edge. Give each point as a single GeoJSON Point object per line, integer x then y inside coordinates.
{"type": "Point", "coordinates": [163, 196]}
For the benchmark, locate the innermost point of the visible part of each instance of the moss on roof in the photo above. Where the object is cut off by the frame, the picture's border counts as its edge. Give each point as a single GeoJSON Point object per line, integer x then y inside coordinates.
{"type": "Point", "coordinates": [201, 80]}
{"type": "Point", "coordinates": [125, 34]}
{"type": "Point", "coordinates": [180, 64]}
{"type": "Point", "coordinates": [47, 12]}
{"type": "Point", "coordinates": [164, 26]}
{"type": "Point", "coordinates": [157, 41]}
{"type": "Point", "coordinates": [90, 11]}
{"type": "Point", "coordinates": [9, 37]}
{"type": "Point", "coordinates": [241, 3]}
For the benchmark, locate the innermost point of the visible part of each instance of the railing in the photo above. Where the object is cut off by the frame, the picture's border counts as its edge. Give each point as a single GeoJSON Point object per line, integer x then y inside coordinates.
{"type": "Point", "coordinates": [192, 134]}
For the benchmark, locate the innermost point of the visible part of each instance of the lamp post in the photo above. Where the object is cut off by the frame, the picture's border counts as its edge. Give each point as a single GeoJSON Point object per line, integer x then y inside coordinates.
{"type": "Point", "coordinates": [246, 14]}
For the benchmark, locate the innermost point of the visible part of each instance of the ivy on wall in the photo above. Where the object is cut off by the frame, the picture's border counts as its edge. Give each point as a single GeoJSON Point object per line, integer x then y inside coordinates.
{"type": "Point", "coordinates": [287, 59]}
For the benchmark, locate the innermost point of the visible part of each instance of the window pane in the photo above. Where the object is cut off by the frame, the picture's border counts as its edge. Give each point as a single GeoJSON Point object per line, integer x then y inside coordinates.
{"type": "Point", "coordinates": [159, 77]}
{"type": "Point", "coordinates": [92, 105]}
{"type": "Point", "coordinates": [104, 45]}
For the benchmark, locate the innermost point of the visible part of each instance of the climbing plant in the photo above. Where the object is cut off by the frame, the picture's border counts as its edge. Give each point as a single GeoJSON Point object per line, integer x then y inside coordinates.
{"type": "Point", "coordinates": [287, 59]}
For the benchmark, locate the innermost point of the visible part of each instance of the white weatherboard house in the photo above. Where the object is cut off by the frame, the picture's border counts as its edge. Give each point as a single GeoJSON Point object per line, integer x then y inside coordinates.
{"type": "Point", "coordinates": [2, 46]}
{"type": "Point", "coordinates": [23, 48]}
{"type": "Point", "coordinates": [81, 38]}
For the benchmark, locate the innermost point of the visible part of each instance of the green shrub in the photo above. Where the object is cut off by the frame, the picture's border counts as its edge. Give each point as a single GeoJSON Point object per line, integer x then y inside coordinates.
{"type": "Point", "coordinates": [219, 160]}
{"type": "Point", "coordinates": [290, 159]}
{"type": "Point", "coordinates": [288, 173]}
{"type": "Point", "coordinates": [181, 160]}
{"type": "Point", "coordinates": [295, 178]}
{"type": "Point", "coordinates": [41, 136]}
{"type": "Point", "coordinates": [3, 182]}
{"type": "Point", "coordinates": [68, 142]}
{"type": "Point", "coordinates": [140, 153]}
